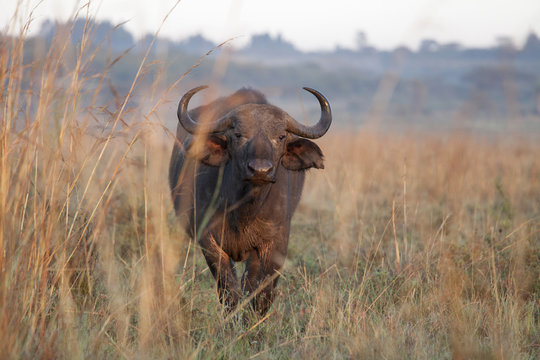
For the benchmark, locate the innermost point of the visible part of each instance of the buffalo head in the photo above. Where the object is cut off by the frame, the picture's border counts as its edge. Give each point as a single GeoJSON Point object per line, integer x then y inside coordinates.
{"type": "Point", "coordinates": [256, 138]}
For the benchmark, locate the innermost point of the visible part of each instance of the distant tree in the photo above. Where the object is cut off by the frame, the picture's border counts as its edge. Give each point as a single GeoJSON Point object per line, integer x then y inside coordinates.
{"type": "Point", "coordinates": [429, 46]}
{"type": "Point", "coordinates": [161, 46]}
{"type": "Point", "coordinates": [451, 47]}
{"type": "Point", "coordinates": [361, 41]}
{"type": "Point", "coordinates": [532, 44]}
{"type": "Point", "coordinates": [506, 46]}
{"type": "Point", "coordinates": [196, 44]}
{"type": "Point", "coordinates": [116, 37]}
{"type": "Point", "coordinates": [144, 42]}
{"type": "Point", "coordinates": [47, 30]}
{"type": "Point", "coordinates": [265, 44]}
{"type": "Point", "coordinates": [404, 50]}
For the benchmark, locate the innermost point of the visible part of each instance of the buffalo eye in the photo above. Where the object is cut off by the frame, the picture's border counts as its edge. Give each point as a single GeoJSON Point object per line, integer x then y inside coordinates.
{"type": "Point", "coordinates": [238, 135]}
{"type": "Point", "coordinates": [282, 137]}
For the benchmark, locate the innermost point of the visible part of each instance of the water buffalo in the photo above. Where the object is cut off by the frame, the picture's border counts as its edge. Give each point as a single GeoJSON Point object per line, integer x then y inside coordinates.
{"type": "Point", "coordinates": [236, 174]}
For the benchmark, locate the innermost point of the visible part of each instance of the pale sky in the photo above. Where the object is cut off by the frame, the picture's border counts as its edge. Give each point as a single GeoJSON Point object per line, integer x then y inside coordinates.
{"type": "Point", "coordinates": [309, 24]}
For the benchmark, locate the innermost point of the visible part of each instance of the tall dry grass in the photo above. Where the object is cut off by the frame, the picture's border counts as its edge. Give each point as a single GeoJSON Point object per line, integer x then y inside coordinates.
{"type": "Point", "coordinates": [434, 243]}
{"type": "Point", "coordinates": [405, 246]}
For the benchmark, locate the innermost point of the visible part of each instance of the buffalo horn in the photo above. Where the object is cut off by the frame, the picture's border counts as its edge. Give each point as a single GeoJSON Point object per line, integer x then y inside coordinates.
{"type": "Point", "coordinates": [189, 124]}
{"type": "Point", "coordinates": [317, 130]}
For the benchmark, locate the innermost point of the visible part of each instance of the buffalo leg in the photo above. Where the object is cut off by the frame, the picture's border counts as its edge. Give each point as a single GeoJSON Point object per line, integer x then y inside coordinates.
{"type": "Point", "coordinates": [220, 266]}
{"type": "Point", "coordinates": [252, 274]}
{"type": "Point", "coordinates": [268, 266]}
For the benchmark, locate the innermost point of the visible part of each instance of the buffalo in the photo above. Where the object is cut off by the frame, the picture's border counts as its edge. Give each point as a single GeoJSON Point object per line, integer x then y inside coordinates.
{"type": "Point", "coordinates": [236, 174]}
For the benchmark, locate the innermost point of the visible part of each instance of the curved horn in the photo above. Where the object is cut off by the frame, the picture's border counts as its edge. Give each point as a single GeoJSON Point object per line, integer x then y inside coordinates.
{"type": "Point", "coordinates": [191, 125]}
{"type": "Point", "coordinates": [317, 130]}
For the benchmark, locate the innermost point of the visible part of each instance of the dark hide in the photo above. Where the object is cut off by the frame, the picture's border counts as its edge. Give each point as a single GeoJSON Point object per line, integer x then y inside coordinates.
{"type": "Point", "coordinates": [238, 194]}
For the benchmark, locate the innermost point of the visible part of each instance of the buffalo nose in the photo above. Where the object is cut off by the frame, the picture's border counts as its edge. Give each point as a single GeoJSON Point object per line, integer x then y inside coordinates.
{"type": "Point", "coordinates": [260, 167]}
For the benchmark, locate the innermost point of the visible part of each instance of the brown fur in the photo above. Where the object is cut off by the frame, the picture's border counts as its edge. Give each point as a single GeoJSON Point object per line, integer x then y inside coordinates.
{"type": "Point", "coordinates": [237, 196]}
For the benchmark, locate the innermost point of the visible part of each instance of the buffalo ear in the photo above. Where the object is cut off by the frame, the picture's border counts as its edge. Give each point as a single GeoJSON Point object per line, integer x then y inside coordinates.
{"type": "Point", "coordinates": [302, 154]}
{"type": "Point", "coordinates": [214, 151]}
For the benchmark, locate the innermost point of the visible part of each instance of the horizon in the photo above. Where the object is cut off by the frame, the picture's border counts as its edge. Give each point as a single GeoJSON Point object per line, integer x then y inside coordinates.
{"type": "Point", "coordinates": [417, 21]}
{"type": "Point", "coordinates": [279, 38]}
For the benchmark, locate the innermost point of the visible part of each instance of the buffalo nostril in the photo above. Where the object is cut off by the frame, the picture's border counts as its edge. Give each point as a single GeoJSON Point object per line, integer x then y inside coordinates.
{"type": "Point", "coordinates": [262, 167]}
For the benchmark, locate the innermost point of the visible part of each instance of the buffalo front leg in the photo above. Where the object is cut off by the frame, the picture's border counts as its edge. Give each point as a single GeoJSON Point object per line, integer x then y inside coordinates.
{"type": "Point", "coordinates": [261, 277]}
{"type": "Point", "coordinates": [220, 266]}
{"type": "Point", "coordinates": [252, 274]}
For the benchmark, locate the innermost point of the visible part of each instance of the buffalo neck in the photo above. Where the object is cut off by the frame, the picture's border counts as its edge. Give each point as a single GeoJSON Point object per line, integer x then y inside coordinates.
{"type": "Point", "coordinates": [243, 201]}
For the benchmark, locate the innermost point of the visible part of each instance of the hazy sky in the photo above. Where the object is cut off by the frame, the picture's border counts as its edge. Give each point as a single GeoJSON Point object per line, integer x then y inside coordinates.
{"type": "Point", "coordinates": [310, 24]}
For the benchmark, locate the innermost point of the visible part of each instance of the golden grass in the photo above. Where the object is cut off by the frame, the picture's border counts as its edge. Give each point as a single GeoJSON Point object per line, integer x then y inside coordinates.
{"type": "Point", "coordinates": [405, 246]}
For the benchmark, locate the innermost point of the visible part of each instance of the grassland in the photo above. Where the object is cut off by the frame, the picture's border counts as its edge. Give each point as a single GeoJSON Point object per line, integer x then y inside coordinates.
{"type": "Point", "coordinates": [406, 246]}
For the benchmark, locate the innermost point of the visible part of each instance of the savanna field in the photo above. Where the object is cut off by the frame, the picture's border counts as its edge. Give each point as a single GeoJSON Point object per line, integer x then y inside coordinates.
{"type": "Point", "coordinates": [418, 245]}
